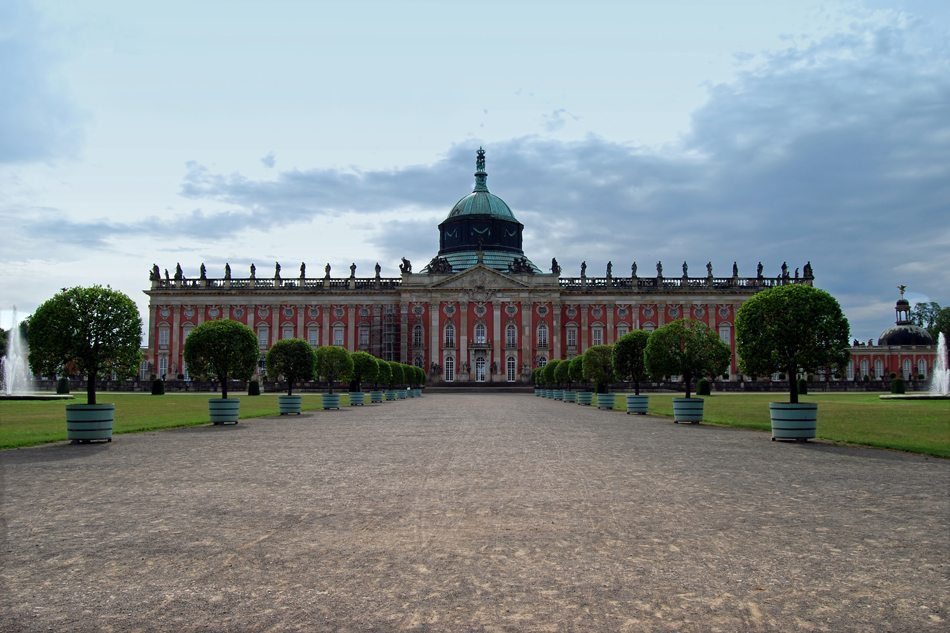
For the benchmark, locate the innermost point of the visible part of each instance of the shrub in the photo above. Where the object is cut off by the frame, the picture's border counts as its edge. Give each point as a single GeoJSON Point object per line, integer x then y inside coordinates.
{"type": "Point", "coordinates": [90, 331]}
{"type": "Point", "coordinates": [290, 360]}
{"type": "Point", "coordinates": [334, 364]}
{"type": "Point", "coordinates": [158, 387]}
{"type": "Point", "coordinates": [686, 348]}
{"type": "Point", "coordinates": [152, 377]}
{"type": "Point", "coordinates": [802, 387]}
{"type": "Point", "coordinates": [629, 357]}
{"type": "Point", "coordinates": [180, 377]}
{"type": "Point", "coordinates": [702, 387]}
{"type": "Point", "coordinates": [385, 373]}
{"type": "Point", "coordinates": [562, 375]}
{"type": "Point", "coordinates": [549, 371]}
{"type": "Point", "coordinates": [892, 375]}
{"type": "Point", "coordinates": [897, 386]}
{"type": "Point", "coordinates": [790, 329]}
{"type": "Point", "coordinates": [782, 376]}
{"type": "Point", "coordinates": [222, 349]}
{"type": "Point", "coordinates": [867, 378]}
{"type": "Point", "coordinates": [365, 369]}
{"type": "Point", "coordinates": [920, 376]}
{"type": "Point", "coordinates": [62, 385]}
{"type": "Point", "coordinates": [598, 365]}
{"type": "Point", "coordinates": [254, 388]}
{"type": "Point", "coordinates": [576, 371]}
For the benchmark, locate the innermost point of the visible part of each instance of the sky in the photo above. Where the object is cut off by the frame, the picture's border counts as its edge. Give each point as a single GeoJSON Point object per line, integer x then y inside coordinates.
{"type": "Point", "coordinates": [141, 133]}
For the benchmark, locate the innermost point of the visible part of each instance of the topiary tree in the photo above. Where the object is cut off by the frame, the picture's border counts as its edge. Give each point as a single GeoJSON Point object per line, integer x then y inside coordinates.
{"type": "Point", "coordinates": [562, 375]}
{"type": "Point", "coordinates": [90, 330]}
{"type": "Point", "coordinates": [333, 364]}
{"type": "Point", "coordinates": [629, 360]}
{"type": "Point", "coordinates": [549, 369]}
{"type": "Point", "coordinates": [291, 359]}
{"type": "Point", "coordinates": [398, 375]}
{"type": "Point", "coordinates": [598, 365]}
{"type": "Point", "coordinates": [576, 370]}
{"type": "Point", "coordinates": [686, 348]}
{"type": "Point", "coordinates": [791, 329]}
{"type": "Point", "coordinates": [365, 369]}
{"type": "Point", "coordinates": [385, 374]}
{"type": "Point", "coordinates": [158, 387]}
{"type": "Point", "coordinates": [222, 349]}
{"type": "Point", "coordinates": [534, 377]}
{"type": "Point", "coordinates": [421, 376]}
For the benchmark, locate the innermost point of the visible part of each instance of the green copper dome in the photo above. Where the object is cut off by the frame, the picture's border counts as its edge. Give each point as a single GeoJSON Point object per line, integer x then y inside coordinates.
{"type": "Point", "coordinates": [480, 201]}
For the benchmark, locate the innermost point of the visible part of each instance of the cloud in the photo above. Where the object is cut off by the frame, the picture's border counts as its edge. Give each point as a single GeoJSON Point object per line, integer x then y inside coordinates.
{"type": "Point", "coordinates": [38, 119]}
{"type": "Point", "coordinates": [556, 120]}
{"type": "Point", "coordinates": [269, 160]}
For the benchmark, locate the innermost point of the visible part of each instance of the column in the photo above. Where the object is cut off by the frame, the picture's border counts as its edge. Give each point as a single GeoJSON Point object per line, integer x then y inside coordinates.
{"type": "Point", "coordinates": [351, 327]}
{"type": "Point", "coordinates": [275, 317]}
{"type": "Point", "coordinates": [585, 334]}
{"type": "Point", "coordinates": [325, 335]}
{"type": "Point", "coordinates": [301, 309]}
{"type": "Point", "coordinates": [609, 334]}
{"type": "Point", "coordinates": [527, 348]}
{"type": "Point", "coordinates": [434, 333]}
{"type": "Point", "coordinates": [403, 332]}
{"type": "Point", "coordinates": [200, 314]}
{"type": "Point", "coordinates": [462, 333]}
{"type": "Point", "coordinates": [497, 355]}
{"type": "Point", "coordinates": [660, 315]}
{"type": "Point", "coordinates": [173, 336]}
{"type": "Point", "coordinates": [555, 330]}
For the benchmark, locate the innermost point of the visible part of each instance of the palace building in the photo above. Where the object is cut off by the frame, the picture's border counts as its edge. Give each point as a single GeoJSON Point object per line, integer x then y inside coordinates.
{"type": "Point", "coordinates": [479, 311]}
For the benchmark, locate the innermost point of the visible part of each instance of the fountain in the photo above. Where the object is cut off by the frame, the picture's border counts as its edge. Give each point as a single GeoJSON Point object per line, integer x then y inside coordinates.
{"type": "Point", "coordinates": [940, 380]}
{"type": "Point", "coordinates": [17, 380]}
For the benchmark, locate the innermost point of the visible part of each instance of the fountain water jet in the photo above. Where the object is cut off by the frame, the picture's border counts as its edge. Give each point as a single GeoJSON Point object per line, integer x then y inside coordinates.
{"type": "Point", "coordinates": [16, 375]}
{"type": "Point", "coordinates": [940, 380]}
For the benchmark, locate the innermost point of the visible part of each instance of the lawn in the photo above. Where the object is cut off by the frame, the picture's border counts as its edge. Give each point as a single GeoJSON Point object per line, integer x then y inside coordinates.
{"type": "Point", "coordinates": [30, 422]}
{"type": "Point", "coordinates": [918, 426]}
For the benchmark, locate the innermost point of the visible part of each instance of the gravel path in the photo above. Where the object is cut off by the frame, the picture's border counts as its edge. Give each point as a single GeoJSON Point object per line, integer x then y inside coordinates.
{"type": "Point", "coordinates": [472, 512]}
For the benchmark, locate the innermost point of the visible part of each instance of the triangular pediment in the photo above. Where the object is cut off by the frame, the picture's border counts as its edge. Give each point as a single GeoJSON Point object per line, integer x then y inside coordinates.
{"type": "Point", "coordinates": [480, 277]}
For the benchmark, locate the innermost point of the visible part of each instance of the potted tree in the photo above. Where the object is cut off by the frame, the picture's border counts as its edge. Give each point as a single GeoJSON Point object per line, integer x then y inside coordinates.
{"type": "Point", "coordinates": [689, 349]}
{"type": "Point", "coordinates": [222, 349]}
{"type": "Point", "coordinates": [334, 364]}
{"type": "Point", "coordinates": [535, 379]}
{"type": "Point", "coordinates": [563, 376]}
{"type": "Point", "coordinates": [576, 373]}
{"type": "Point", "coordinates": [792, 329]}
{"type": "Point", "coordinates": [290, 359]}
{"type": "Point", "coordinates": [96, 331]}
{"type": "Point", "coordinates": [365, 369]}
{"type": "Point", "coordinates": [420, 380]}
{"type": "Point", "coordinates": [549, 377]}
{"type": "Point", "coordinates": [402, 381]}
{"type": "Point", "coordinates": [382, 378]}
{"type": "Point", "coordinates": [598, 365]}
{"type": "Point", "coordinates": [630, 363]}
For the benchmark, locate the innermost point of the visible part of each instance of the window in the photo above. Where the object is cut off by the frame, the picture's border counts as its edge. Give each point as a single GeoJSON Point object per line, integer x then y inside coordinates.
{"type": "Point", "coordinates": [542, 335]}
{"type": "Point", "coordinates": [597, 336]}
{"type": "Point", "coordinates": [288, 332]}
{"type": "Point", "coordinates": [313, 337]}
{"type": "Point", "coordinates": [450, 335]}
{"type": "Point", "coordinates": [480, 369]}
{"type": "Point", "coordinates": [850, 370]}
{"type": "Point", "coordinates": [184, 371]}
{"type": "Point", "coordinates": [572, 337]}
{"type": "Point", "coordinates": [922, 367]}
{"type": "Point", "coordinates": [511, 336]}
{"type": "Point", "coordinates": [184, 333]}
{"type": "Point", "coordinates": [262, 336]}
{"type": "Point", "coordinates": [143, 370]}
{"type": "Point", "coordinates": [163, 337]}
{"type": "Point", "coordinates": [864, 368]}
{"type": "Point", "coordinates": [622, 329]}
{"type": "Point", "coordinates": [725, 334]}
{"type": "Point", "coordinates": [389, 341]}
{"type": "Point", "coordinates": [480, 333]}
{"type": "Point", "coordinates": [648, 327]}
{"type": "Point", "coordinates": [542, 361]}
{"type": "Point", "coordinates": [338, 336]}
{"type": "Point", "coordinates": [419, 361]}
{"type": "Point", "coordinates": [878, 369]}
{"type": "Point", "coordinates": [417, 335]}
{"type": "Point", "coordinates": [512, 367]}
{"type": "Point", "coordinates": [364, 336]}
{"type": "Point", "coordinates": [907, 369]}
{"type": "Point", "coordinates": [449, 369]}
{"type": "Point", "coordinates": [162, 367]}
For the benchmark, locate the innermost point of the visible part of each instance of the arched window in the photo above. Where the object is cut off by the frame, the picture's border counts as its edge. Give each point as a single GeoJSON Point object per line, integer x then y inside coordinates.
{"type": "Point", "coordinates": [878, 369]}
{"type": "Point", "coordinates": [597, 335]}
{"type": "Point", "coordinates": [571, 337]}
{"type": "Point", "coordinates": [850, 370]}
{"type": "Point", "coordinates": [364, 337]}
{"type": "Point", "coordinates": [313, 337]}
{"type": "Point", "coordinates": [649, 327]}
{"type": "Point", "coordinates": [417, 335]}
{"type": "Point", "coordinates": [163, 337]}
{"type": "Point", "coordinates": [480, 333]}
{"type": "Point", "coordinates": [449, 371]}
{"type": "Point", "coordinates": [512, 367]}
{"type": "Point", "coordinates": [338, 336]}
{"type": "Point", "coordinates": [622, 330]}
{"type": "Point", "coordinates": [542, 335]}
{"type": "Point", "coordinates": [922, 367]}
{"type": "Point", "coordinates": [480, 369]}
{"type": "Point", "coordinates": [907, 367]}
{"type": "Point", "coordinates": [162, 366]}
{"type": "Point", "coordinates": [511, 336]}
{"type": "Point", "coordinates": [542, 361]}
{"type": "Point", "coordinates": [450, 335]}
{"type": "Point", "coordinates": [864, 368]}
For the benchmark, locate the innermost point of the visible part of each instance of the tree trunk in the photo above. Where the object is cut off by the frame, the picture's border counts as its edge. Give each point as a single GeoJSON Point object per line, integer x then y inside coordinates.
{"type": "Point", "coordinates": [792, 388]}
{"type": "Point", "coordinates": [290, 387]}
{"type": "Point", "coordinates": [636, 387]}
{"type": "Point", "coordinates": [224, 386]}
{"type": "Point", "coordinates": [91, 387]}
{"type": "Point", "coordinates": [687, 379]}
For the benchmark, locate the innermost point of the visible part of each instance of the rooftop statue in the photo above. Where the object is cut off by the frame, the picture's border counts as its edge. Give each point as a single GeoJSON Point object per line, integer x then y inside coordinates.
{"type": "Point", "coordinates": [155, 274]}
{"type": "Point", "coordinates": [227, 270]}
{"type": "Point", "coordinates": [480, 160]}
{"type": "Point", "coordinates": [784, 270]}
{"type": "Point", "coordinates": [633, 270]}
{"type": "Point", "coordinates": [659, 269]}
{"type": "Point", "coordinates": [735, 269]}
{"type": "Point", "coordinates": [405, 266]}
{"type": "Point", "coordinates": [352, 270]}
{"type": "Point", "coordinates": [203, 271]}
{"type": "Point", "coordinates": [253, 271]}
{"type": "Point", "coordinates": [685, 270]}
{"type": "Point", "coordinates": [758, 271]}
{"type": "Point", "coordinates": [439, 266]}
{"type": "Point", "coordinates": [808, 272]}
{"type": "Point", "coordinates": [378, 270]}
{"type": "Point", "coordinates": [303, 270]}
{"type": "Point", "coordinates": [520, 265]}
{"type": "Point", "coordinates": [583, 269]}
{"type": "Point", "coordinates": [709, 269]}
{"type": "Point", "coordinates": [327, 269]}
{"type": "Point", "coordinates": [796, 274]}
{"type": "Point", "coordinates": [179, 276]}
{"type": "Point", "coordinates": [555, 267]}
{"type": "Point", "coordinates": [610, 268]}
{"type": "Point", "coordinates": [166, 275]}
{"type": "Point", "coordinates": [277, 270]}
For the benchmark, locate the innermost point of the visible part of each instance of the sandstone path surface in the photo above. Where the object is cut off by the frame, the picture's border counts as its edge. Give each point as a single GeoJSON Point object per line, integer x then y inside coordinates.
{"type": "Point", "coordinates": [472, 513]}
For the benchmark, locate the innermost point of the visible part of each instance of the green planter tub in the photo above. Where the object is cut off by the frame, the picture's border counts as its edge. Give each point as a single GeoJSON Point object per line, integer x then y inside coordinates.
{"type": "Point", "coordinates": [570, 396]}
{"type": "Point", "coordinates": [401, 394]}
{"type": "Point", "coordinates": [375, 396]}
{"type": "Point", "coordinates": [390, 394]}
{"type": "Point", "coordinates": [357, 398]}
{"type": "Point", "coordinates": [638, 404]}
{"type": "Point", "coordinates": [549, 394]}
{"type": "Point", "coordinates": [688, 410]}
{"type": "Point", "coordinates": [330, 400]}
{"type": "Point", "coordinates": [538, 392]}
{"type": "Point", "coordinates": [606, 400]}
{"type": "Point", "coordinates": [89, 422]}
{"type": "Point", "coordinates": [794, 421]}
{"type": "Point", "coordinates": [224, 410]}
{"type": "Point", "coordinates": [559, 394]}
{"type": "Point", "coordinates": [289, 404]}
{"type": "Point", "coordinates": [585, 397]}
